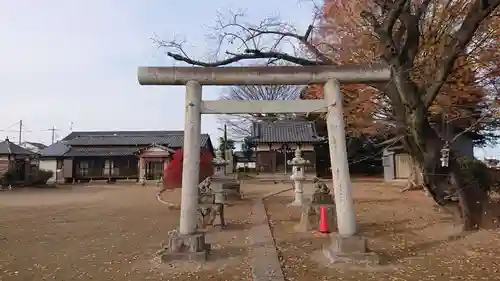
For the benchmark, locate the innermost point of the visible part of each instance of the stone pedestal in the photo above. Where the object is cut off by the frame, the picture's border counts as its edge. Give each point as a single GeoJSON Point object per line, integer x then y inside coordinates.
{"type": "Point", "coordinates": [185, 247]}
{"type": "Point", "coordinates": [222, 182]}
{"type": "Point", "coordinates": [226, 188]}
{"type": "Point", "coordinates": [211, 214]}
{"type": "Point", "coordinates": [232, 190]}
{"type": "Point", "coordinates": [352, 250]}
{"type": "Point", "coordinates": [299, 194]}
{"type": "Point", "coordinates": [310, 217]}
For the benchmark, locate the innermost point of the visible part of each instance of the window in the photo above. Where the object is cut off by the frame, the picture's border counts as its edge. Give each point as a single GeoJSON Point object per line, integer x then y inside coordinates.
{"type": "Point", "coordinates": [84, 168]}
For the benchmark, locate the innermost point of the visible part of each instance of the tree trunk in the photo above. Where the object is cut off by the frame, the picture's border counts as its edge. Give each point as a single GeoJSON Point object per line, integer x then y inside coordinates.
{"type": "Point", "coordinates": [444, 183]}
{"type": "Point", "coordinates": [471, 199]}
{"type": "Point", "coordinates": [416, 178]}
{"type": "Point", "coordinates": [424, 145]}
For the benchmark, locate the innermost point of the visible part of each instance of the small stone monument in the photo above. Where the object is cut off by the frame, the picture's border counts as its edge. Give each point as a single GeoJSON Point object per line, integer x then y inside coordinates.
{"type": "Point", "coordinates": [223, 185]}
{"type": "Point", "coordinates": [311, 208]}
{"type": "Point", "coordinates": [298, 176]}
{"type": "Point", "coordinates": [189, 247]}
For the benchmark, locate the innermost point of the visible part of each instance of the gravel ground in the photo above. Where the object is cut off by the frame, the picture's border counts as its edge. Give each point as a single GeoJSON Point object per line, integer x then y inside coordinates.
{"type": "Point", "coordinates": [108, 232]}
{"type": "Point", "coordinates": [111, 232]}
{"type": "Point", "coordinates": [412, 239]}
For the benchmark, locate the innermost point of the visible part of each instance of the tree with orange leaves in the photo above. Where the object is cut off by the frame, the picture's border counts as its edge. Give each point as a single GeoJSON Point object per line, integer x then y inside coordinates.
{"type": "Point", "coordinates": [444, 56]}
{"type": "Point", "coordinates": [462, 104]}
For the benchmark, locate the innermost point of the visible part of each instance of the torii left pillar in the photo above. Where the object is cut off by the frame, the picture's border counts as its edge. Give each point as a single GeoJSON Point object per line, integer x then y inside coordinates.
{"type": "Point", "coordinates": [188, 243]}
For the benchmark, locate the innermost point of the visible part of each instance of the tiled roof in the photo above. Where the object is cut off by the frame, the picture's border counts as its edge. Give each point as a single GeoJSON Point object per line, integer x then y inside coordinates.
{"type": "Point", "coordinates": [55, 149]}
{"type": "Point", "coordinates": [73, 135]}
{"type": "Point", "coordinates": [173, 139]}
{"type": "Point", "coordinates": [284, 132]}
{"type": "Point", "coordinates": [116, 143]}
{"type": "Point", "coordinates": [9, 148]}
{"type": "Point", "coordinates": [101, 151]}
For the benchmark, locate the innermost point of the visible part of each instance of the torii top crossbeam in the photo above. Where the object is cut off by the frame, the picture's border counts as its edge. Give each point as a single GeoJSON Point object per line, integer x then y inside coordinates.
{"type": "Point", "coordinates": [263, 75]}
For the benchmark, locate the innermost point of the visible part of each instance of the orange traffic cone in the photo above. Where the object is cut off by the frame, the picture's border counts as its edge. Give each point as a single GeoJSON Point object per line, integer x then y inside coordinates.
{"type": "Point", "coordinates": [323, 221]}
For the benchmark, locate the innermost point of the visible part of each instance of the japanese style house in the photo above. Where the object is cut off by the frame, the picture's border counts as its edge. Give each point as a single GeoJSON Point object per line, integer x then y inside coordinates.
{"type": "Point", "coordinates": [114, 154]}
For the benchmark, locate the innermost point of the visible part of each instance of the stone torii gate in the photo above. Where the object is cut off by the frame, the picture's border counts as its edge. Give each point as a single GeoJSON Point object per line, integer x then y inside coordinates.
{"type": "Point", "coordinates": [195, 77]}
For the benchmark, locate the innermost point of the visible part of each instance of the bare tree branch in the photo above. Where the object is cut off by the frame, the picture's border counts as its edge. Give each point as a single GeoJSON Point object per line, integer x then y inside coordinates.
{"type": "Point", "coordinates": [304, 39]}
{"type": "Point", "coordinates": [468, 129]}
{"type": "Point", "coordinates": [250, 42]}
{"type": "Point", "coordinates": [239, 125]}
{"type": "Point", "coordinates": [248, 55]}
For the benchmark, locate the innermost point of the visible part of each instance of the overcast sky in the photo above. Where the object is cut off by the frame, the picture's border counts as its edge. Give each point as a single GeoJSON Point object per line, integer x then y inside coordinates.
{"type": "Point", "coordinates": [66, 62]}
{"type": "Point", "coordinates": [75, 61]}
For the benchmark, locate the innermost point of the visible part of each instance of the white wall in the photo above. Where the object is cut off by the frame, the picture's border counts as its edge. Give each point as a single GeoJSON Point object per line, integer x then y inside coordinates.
{"type": "Point", "coordinates": [250, 165]}
{"type": "Point", "coordinates": [49, 165]}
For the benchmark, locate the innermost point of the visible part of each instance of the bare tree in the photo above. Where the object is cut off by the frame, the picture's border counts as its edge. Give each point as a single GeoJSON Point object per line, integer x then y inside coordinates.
{"type": "Point", "coordinates": [397, 28]}
{"type": "Point", "coordinates": [270, 41]}
{"type": "Point", "coordinates": [240, 125]}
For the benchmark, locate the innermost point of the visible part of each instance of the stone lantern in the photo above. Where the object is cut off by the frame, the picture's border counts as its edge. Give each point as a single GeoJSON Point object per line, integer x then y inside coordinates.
{"type": "Point", "coordinates": [298, 176]}
{"type": "Point", "coordinates": [222, 184]}
{"type": "Point", "coordinates": [219, 164]}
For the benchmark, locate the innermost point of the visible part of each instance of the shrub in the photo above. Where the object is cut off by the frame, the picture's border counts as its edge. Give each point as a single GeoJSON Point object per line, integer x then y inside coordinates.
{"type": "Point", "coordinates": [478, 175]}
{"type": "Point", "coordinates": [41, 177]}
{"type": "Point", "coordinates": [10, 177]}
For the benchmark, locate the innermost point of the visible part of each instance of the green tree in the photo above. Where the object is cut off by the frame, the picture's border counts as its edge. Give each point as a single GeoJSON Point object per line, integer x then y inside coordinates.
{"type": "Point", "coordinates": [225, 145]}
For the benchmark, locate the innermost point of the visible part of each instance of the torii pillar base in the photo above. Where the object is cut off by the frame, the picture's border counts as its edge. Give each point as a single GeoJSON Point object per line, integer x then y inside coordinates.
{"type": "Point", "coordinates": [352, 250]}
{"type": "Point", "coordinates": [185, 247]}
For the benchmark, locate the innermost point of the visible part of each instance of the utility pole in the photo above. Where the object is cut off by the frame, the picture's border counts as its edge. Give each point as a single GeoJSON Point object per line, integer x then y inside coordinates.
{"type": "Point", "coordinates": [225, 141]}
{"type": "Point", "coordinates": [20, 131]}
{"type": "Point", "coordinates": [53, 133]}
{"type": "Point", "coordinates": [225, 146]}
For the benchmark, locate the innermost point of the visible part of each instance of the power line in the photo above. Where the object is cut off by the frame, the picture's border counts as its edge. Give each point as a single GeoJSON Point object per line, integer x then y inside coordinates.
{"type": "Point", "coordinates": [7, 128]}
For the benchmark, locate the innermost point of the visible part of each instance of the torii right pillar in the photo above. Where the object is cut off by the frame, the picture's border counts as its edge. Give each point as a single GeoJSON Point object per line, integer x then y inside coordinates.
{"type": "Point", "coordinates": [347, 246]}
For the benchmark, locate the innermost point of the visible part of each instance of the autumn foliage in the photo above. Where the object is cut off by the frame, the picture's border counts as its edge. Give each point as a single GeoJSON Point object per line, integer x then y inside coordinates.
{"type": "Point", "coordinates": [173, 173]}
{"type": "Point", "coordinates": [445, 60]}
{"type": "Point", "coordinates": [345, 37]}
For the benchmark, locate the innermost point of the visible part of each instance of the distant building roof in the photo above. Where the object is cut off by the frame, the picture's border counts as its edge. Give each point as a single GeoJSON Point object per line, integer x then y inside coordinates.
{"type": "Point", "coordinates": [172, 139]}
{"type": "Point", "coordinates": [89, 151]}
{"type": "Point", "coordinates": [101, 151]}
{"type": "Point", "coordinates": [116, 143]}
{"type": "Point", "coordinates": [9, 148]}
{"type": "Point", "coordinates": [55, 149]}
{"type": "Point", "coordinates": [289, 131]}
